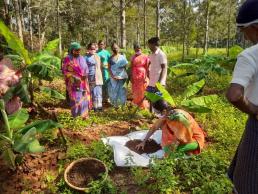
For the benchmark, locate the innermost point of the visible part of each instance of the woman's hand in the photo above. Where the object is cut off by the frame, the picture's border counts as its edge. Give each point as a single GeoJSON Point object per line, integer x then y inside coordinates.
{"type": "Point", "coordinates": [140, 146]}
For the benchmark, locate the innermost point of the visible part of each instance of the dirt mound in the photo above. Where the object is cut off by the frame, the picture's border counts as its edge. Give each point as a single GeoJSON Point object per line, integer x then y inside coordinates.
{"type": "Point", "coordinates": [84, 172]}
{"type": "Point", "coordinates": [150, 147]}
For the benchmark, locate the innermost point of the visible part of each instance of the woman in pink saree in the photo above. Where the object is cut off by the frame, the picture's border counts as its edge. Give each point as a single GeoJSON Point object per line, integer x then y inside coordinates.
{"type": "Point", "coordinates": [9, 77]}
{"type": "Point", "coordinates": [76, 71]}
{"type": "Point", "coordinates": [139, 76]}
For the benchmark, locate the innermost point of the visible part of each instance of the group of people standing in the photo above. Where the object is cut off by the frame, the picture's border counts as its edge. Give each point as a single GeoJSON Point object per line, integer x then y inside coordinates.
{"type": "Point", "coordinates": [99, 76]}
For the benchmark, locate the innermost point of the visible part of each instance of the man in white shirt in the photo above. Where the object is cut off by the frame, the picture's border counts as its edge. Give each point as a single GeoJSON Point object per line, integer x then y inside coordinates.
{"type": "Point", "coordinates": [243, 94]}
{"type": "Point", "coordinates": [158, 65]}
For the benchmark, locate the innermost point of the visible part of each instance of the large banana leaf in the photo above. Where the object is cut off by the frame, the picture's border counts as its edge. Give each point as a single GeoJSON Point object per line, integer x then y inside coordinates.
{"type": "Point", "coordinates": [21, 142]}
{"type": "Point", "coordinates": [199, 104]}
{"type": "Point", "coordinates": [2, 105]}
{"type": "Point", "coordinates": [152, 97]}
{"type": "Point", "coordinates": [21, 90]}
{"type": "Point", "coordinates": [165, 95]}
{"type": "Point", "coordinates": [9, 158]}
{"type": "Point", "coordinates": [219, 70]}
{"type": "Point", "coordinates": [40, 126]}
{"type": "Point", "coordinates": [53, 93]}
{"type": "Point", "coordinates": [194, 88]}
{"type": "Point", "coordinates": [18, 119]}
{"type": "Point", "coordinates": [35, 147]}
{"type": "Point", "coordinates": [184, 65]}
{"type": "Point", "coordinates": [42, 70]}
{"type": "Point", "coordinates": [195, 108]}
{"type": "Point", "coordinates": [14, 42]}
{"type": "Point", "coordinates": [48, 59]}
{"type": "Point", "coordinates": [52, 46]}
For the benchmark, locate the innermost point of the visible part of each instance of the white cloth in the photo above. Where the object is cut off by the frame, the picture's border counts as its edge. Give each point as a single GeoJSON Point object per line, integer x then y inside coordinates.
{"type": "Point", "coordinates": [246, 73]}
{"type": "Point", "coordinates": [156, 59]}
{"type": "Point", "coordinates": [123, 156]}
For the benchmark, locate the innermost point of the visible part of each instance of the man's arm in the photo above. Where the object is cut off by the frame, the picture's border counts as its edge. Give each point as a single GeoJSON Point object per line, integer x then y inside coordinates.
{"type": "Point", "coordinates": [235, 95]}
{"type": "Point", "coordinates": [163, 72]}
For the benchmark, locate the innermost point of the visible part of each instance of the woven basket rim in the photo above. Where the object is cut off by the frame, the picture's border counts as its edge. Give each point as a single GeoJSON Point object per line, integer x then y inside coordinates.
{"type": "Point", "coordinates": [68, 168]}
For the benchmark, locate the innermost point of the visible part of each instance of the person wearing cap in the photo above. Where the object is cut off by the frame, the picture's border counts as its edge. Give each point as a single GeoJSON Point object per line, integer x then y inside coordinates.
{"type": "Point", "coordinates": [139, 79]}
{"type": "Point", "coordinates": [243, 94]}
{"type": "Point", "coordinates": [180, 132]}
{"type": "Point", "coordinates": [158, 65]}
{"type": "Point", "coordinates": [76, 71]}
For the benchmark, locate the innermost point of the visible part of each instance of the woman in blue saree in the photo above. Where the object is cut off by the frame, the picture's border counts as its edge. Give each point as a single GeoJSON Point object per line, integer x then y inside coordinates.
{"type": "Point", "coordinates": [117, 68]}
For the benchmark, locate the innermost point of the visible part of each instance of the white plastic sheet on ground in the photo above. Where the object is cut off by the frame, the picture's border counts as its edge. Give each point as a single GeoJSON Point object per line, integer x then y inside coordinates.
{"type": "Point", "coordinates": [123, 156]}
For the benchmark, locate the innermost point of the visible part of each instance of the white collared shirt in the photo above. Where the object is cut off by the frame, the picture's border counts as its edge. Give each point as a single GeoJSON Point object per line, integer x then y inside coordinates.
{"type": "Point", "coordinates": [156, 59]}
{"type": "Point", "coordinates": [246, 73]}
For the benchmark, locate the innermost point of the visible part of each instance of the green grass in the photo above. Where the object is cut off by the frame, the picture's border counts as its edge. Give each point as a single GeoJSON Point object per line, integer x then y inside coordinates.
{"type": "Point", "coordinates": [109, 115]}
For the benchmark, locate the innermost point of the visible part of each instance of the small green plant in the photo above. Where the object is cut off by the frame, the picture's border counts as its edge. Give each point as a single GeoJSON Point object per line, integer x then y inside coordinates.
{"type": "Point", "coordinates": [18, 138]}
{"type": "Point", "coordinates": [49, 178]}
{"type": "Point", "coordinates": [100, 186]}
{"type": "Point", "coordinates": [77, 150]}
{"type": "Point", "coordinates": [205, 173]}
{"type": "Point", "coordinates": [102, 152]}
{"type": "Point", "coordinates": [140, 175]}
{"type": "Point", "coordinates": [64, 188]}
{"type": "Point", "coordinates": [162, 177]}
{"type": "Point", "coordinates": [95, 187]}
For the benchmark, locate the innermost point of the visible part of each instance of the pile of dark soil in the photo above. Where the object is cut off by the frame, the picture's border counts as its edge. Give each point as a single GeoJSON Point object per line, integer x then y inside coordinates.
{"type": "Point", "coordinates": [150, 147]}
{"type": "Point", "coordinates": [84, 172]}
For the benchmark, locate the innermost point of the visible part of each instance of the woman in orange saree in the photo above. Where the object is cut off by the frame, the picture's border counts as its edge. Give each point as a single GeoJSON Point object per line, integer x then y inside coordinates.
{"type": "Point", "coordinates": [139, 76]}
{"type": "Point", "coordinates": [180, 132]}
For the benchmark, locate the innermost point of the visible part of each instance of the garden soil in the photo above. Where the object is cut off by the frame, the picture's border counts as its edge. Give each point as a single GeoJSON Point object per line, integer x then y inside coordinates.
{"type": "Point", "coordinates": [31, 174]}
{"type": "Point", "coordinates": [150, 147]}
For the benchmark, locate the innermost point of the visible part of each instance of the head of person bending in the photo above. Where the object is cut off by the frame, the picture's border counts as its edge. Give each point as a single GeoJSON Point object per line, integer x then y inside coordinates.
{"type": "Point", "coordinates": [162, 107]}
{"type": "Point", "coordinates": [247, 20]}
{"type": "Point", "coordinates": [153, 44]}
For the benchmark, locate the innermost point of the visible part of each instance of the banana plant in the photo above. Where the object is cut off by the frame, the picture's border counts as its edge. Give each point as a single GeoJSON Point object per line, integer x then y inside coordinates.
{"type": "Point", "coordinates": [43, 66]}
{"type": "Point", "coordinates": [195, 104]}
{"type": "Point", "coordinates": [18, 138]}
{"type": "Point", "coordinates": [200, 67]}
